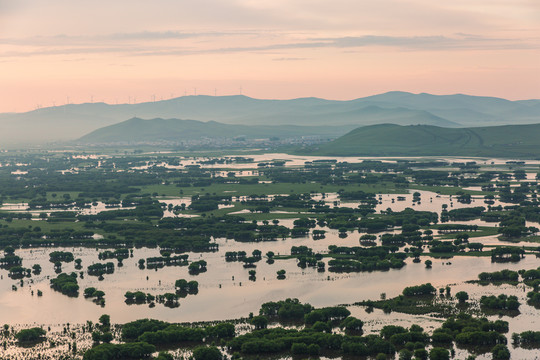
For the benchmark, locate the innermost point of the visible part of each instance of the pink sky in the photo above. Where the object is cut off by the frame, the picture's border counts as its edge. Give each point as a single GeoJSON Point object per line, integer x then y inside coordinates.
{"type": "Point", "coordinates": [124, 51]}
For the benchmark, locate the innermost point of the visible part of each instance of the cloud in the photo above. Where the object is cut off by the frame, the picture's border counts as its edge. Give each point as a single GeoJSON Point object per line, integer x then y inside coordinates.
{"type": "Point", "coordinates": [421, 42]}
{"type": "Point", "coordinates": [67, 40]}
{"type": "Point", "coordinates": [427, 43]}
{"type": "Point", "coordinates": [289, 59]}
{"type": "Point", "coordinates": [173, 43]}
{"type": "Point", "coordinates": [8, 6]}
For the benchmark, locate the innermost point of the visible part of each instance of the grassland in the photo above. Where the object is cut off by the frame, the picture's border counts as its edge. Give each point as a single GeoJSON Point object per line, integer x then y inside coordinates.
{"type": "Point", "coordinates": [516, 141]}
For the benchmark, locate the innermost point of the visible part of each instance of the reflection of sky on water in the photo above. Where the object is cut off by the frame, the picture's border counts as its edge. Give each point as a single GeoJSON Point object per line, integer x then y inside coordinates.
{"type": "Point", "coordinates": [235, 298]}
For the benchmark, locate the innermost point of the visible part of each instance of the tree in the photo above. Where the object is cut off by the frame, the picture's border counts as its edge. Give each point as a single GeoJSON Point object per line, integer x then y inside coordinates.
{"type": "Point", "coordinates": [129, 295]}
{"type": "Point", "coordinates": [428, 263]}
{"type": "Point", "coordinates": [462, 296]}
{"type": "Point", "coordinates": [193, 286]}
{"type": "Point", "coordinates": [500, 352]}
{"type": "Point", "coordinates": [105, 321]}
{"type": "Point", "coordinates": [260, 322]}
{"type": "Point", "coordinates": [221, 330]}
{"type": "Point", "coordinates": [299, 348]}
{"type": "Point", "coordinates": [424, 289]}
{"type": "Point", "coordinates": [106, 337]}
{"type": "Point", "coordinates": [405, 354]}
{"type": "Point", "coordinates": [66, 284]}
{"type": "Point", "coordinates": [36, 268]}
{"type": "Point", "coordinates": [96, 336]}
{"type": "Point", "coordinates": [89, 292]}
{"type": "Point", "coordinates": [421, 354]}
{"type": "Point", "coordinates": [181, 284]}
{"type": "Point", "coordinates": [352, 324]}
{"type": "Point", "coordinates": [438, 353]}
{"type": "Point", "coordinates": [33, 334]}
{"type": "Point", "coordinates": [136, 350]}
{"type": "Point", "coordinates": [164, 356]}
{"type": "Point", "coordinates": [314, 349]}
{"type": "Point", "coordinates": [140, 297]}
{"type": "Point", "coordinates": [321, 326]}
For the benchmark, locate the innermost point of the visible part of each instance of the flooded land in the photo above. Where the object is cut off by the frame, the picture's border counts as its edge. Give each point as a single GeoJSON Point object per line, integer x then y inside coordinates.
{"type": "Point", "coordinates": [268, 256]}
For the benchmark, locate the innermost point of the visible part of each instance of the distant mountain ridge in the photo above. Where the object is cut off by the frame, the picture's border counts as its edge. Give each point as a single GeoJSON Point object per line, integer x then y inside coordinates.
{"type": "Point", "coordinates": [68, 122]}
{"type": "Point", "coordinates": [137, 130]}
{"type": "Point", "coordinates": [507, 141]}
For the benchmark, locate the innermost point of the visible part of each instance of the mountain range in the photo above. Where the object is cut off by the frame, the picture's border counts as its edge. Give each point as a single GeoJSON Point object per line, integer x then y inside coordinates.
{"type": "Point", "coordinates": [72, 121]}
{"type": "Point", "coordinates": [137, 130]}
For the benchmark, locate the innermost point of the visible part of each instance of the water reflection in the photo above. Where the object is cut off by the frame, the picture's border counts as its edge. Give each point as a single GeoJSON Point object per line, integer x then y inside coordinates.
{"type": "Point", "coordinates": [225, 290]}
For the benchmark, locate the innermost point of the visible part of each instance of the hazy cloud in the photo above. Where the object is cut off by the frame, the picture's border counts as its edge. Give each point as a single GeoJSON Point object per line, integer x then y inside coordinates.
{"type": "Point", "coordinates": [155, 28]}
{"type": "Point", "coordinates": [428, 42]}
{"type": "Point", "coordinates": [66, 40]}
{"type": "Point", "coordinates": [289, 59]}
{"type": "Point", "coordinates": [148, 44]}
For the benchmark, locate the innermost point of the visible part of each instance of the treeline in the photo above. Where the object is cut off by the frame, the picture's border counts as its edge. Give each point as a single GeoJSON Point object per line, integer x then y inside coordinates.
{"type": "Point", "coordinates": [359, 259]}
{"type": "Point", "coordinates": [315, 335]}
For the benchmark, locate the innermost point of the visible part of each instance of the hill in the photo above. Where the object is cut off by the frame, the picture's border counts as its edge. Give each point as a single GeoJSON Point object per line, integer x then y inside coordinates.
{"type": "Point", "coordinates": [423, 140]}
{"type": "Point", "coordinates": [72, 121]}
{"type": "Point", "coordinates": [137, 130]}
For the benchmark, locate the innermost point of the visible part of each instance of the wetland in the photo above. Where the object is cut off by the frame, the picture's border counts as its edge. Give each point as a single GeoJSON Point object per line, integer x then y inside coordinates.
{"type": "Point", "coordinates": [82, 234]}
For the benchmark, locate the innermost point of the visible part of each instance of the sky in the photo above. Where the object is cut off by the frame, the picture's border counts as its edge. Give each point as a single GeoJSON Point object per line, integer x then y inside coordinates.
{"type": "Point", "coordinates": [57, 51]}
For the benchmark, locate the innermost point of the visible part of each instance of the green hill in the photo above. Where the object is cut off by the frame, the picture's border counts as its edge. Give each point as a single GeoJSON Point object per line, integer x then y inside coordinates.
{"type": "Point", "coordinates": [521, 141]}
{"type": "Point", "coordinates": [156, 130]}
